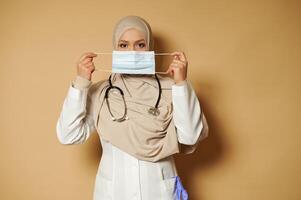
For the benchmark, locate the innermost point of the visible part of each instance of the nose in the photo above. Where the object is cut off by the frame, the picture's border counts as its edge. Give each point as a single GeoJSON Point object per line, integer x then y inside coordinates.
{"type": "Point", "coordinates": [132, 48]}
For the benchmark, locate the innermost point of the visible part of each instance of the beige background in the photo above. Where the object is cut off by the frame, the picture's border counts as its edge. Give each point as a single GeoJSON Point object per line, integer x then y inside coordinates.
{"type": "Point", "coordinates": [244, 63]}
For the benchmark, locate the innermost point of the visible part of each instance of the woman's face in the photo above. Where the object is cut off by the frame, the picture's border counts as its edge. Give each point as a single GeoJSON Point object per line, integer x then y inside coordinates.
{"type": "Point", "coordinates": [132, 40]}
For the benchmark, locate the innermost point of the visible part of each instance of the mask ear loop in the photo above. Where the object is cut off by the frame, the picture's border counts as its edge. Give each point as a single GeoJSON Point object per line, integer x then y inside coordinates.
{"type": "Point", "coordinates": [110, 71]}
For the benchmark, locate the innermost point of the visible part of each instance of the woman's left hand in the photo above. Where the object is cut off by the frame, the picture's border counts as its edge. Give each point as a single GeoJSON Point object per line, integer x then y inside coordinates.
{"type": "Point", "coordinates": [178, 68]}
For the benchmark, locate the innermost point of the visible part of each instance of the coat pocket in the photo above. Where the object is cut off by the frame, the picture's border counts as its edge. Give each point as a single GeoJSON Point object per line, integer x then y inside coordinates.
{"type": "Point", "coordinates": [169, 192]}
{"type": "Point", "coordinates": [103, 189]}
{"type": "Point", "coordinates": [169, 183]}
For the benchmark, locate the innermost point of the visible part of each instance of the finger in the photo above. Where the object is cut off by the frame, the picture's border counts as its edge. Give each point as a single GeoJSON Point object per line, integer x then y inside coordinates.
{"type": "Point", "coordinates": [180, 62]}
{"type": "Point", "coordinates": [182, 57]}
{"type": "Point", "coordinates": [88, 55]}
{"type": "Point", "coordinates": [174, 65]}
{"type": "Point", "coordinates": [175, 69]}
{"type": "Point", "coordinates": [88, 65]}
{"type": "Point", "coordinates": [179, 55]}
{"type": "Point", "coordinates": [83, 64]}
{"type": "Point", "coordinates": [175, 55]}
{"type": "Point", "coordinates": [169, 71]}
{"type": "Point", "coordinates": [87, 60]}
{"type": "Point", "coordinates": [89, 69]}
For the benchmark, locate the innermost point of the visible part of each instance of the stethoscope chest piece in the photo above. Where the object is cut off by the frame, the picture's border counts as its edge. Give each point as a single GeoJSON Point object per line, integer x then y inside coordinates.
{"type": "Point", "coordinates": [154, 111]}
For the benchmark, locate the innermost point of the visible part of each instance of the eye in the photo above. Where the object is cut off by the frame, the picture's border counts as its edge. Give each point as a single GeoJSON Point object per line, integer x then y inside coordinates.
{"type": "Point", "coordinates": [122, 45]}
{"type": "Point", "coordinates": [141, 45]}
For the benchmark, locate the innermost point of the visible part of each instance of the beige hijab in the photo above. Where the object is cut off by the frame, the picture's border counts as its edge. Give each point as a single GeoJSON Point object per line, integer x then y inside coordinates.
{"type": "Point", "coordinates": [135, 22]}
{"type": "Point", "coordinates": [143, 135]}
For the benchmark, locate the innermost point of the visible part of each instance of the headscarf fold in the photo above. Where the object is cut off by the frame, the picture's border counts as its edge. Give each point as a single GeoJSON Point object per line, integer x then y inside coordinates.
{"type": "Point", "coordinates": [144, 136]}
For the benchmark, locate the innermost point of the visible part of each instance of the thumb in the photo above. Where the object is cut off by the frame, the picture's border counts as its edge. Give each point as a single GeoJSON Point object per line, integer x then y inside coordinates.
{"type": "Point", "coordinates": [169, 71]}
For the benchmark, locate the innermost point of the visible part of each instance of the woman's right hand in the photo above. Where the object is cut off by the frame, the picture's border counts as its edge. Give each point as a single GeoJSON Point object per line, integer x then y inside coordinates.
{"type": "Point", "coordinates": [85, 65]}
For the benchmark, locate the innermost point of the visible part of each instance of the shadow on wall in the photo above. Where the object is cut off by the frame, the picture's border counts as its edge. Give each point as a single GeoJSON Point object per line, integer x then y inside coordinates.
{"type": "Point", "coordinates": [207, 155]}
{"type": "Point", "coordinates": [92, 153]}
{"type": "Point", "coordinates": [209, 151]}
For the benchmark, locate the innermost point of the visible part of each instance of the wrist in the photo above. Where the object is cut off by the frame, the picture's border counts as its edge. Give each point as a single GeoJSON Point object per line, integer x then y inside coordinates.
{"type": "Point", "coordinates": [181, 82]}
{"type": "Point", "coordinates": [81, 83]}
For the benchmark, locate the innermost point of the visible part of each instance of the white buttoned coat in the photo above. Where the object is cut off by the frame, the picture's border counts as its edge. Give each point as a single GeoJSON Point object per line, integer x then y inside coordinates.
{"type": "Point", "coordinates": [121, 176]}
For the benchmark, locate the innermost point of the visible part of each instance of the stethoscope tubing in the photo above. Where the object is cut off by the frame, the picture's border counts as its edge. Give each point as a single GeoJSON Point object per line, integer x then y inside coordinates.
{"type": "Point", "coordinates": [152, 110]}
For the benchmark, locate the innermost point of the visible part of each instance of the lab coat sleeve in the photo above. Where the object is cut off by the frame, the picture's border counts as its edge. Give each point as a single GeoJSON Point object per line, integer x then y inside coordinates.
{"type": "Point", "coordinates": [75, 123]}
{"type": "Point", "coordinates": [189, 119]}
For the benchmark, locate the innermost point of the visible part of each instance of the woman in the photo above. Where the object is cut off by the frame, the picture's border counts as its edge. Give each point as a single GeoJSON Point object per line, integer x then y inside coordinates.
{"type": "Point", "coordinates": [137, 158]}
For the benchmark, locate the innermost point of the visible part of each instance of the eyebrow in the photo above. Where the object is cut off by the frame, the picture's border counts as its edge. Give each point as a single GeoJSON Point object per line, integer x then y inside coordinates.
{"type": "Point", "coordinates": [136, 41]}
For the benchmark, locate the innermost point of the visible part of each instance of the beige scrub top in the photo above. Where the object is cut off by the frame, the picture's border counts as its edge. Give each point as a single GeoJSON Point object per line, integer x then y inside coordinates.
{"type": "Point", "coordinates": [121, 176]}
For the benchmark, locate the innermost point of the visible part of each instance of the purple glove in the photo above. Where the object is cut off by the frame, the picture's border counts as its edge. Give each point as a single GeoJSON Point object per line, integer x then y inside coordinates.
{"type": "Point", "coordinates": [180, 191]}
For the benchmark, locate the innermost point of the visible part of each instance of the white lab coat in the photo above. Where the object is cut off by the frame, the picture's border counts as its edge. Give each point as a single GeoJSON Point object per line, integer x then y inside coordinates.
{"type": "Point", "coordinates": [121, 176]}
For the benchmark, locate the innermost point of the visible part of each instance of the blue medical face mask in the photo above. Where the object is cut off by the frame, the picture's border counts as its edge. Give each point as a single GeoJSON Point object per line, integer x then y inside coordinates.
{"type": "Point", "coordinates": [133, 62]}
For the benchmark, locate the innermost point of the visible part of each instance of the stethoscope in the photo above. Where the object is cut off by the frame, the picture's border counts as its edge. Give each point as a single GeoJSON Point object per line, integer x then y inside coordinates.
{"type": "Point", "coordinates": [152, 110]}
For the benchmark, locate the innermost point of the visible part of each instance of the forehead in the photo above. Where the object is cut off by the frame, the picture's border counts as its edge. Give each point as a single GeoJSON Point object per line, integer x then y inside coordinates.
{"type": "Point", "coordinates": [132, 34]}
